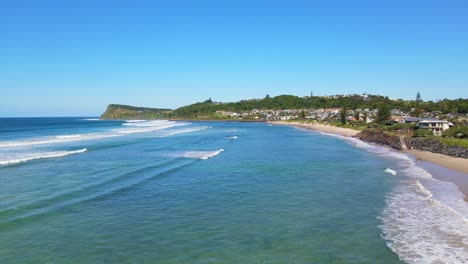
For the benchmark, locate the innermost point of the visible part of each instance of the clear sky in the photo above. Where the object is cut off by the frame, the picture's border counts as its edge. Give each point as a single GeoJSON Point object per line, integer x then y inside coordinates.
{"type": "Point", "coordinates": [62, 58]}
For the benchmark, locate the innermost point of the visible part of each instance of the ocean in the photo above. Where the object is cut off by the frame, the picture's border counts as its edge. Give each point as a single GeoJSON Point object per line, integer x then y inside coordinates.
{"type": "Point", "coordinates": [84, 190]}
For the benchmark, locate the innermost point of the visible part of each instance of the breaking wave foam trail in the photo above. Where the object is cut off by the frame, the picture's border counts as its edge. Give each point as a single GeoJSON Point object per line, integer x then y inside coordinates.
{"type": "Point", "coordinates": [203, 155]}
{"type": "Point", "coordinates": [420, 228]}
{"type": "Point", "coordinates": [185, 130]}
{"type": "Point", "coordinates": [425, 220]}
{"type": "Point", "coordinates": [78, 137]}
{"type": "Point", "coordinates": [233, 137]}
{"type": "Point", "coordinates": [12, 159]}
{"type": "Point", "coordinates": [54, 139]}
{"type": "Point", "coordinates": [149, 128]}
{"type": "Point", "coordinates": [144, 123]}
{"type": "Point", "coordinates": [135, 121]}
{"type": "Point", "coordinates": [69, 136]}
{"type": "Point", "coordinates": [91, 119]}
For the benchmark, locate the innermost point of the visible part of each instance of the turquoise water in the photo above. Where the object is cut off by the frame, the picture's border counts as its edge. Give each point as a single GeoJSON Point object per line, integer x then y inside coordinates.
{"type": "Point", "coordinates": [85, 191]}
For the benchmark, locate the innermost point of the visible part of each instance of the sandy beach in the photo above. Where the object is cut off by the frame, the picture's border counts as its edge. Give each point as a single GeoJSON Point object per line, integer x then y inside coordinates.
{"type": "Point", "coordinates": [456, 164]}
{"type": "Point", "coordinates": [347, 132]}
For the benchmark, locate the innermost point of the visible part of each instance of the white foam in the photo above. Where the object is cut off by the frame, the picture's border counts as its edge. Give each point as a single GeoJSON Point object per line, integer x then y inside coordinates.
{"type": "Point", "coordinates": [19, 158]}
{"type": "Point", "coordinates": [185, 130]}
{"type": "Point", "coordinates": [203, 155]}
{"type": "Point", "coordinates": [91, 119]}
{"type": "Point", "coordinates": [425, 220]}
{"type": "Point", "coordinates": [135, 121]}
{"type": "Point", "coordinates": [149, 128]}
{"type": "Point", "coordinates": [144, 123]}
{"type": "Point", "coordinates": [421, 229]}
{"type": "Point", "coordinates": [233, 137]}
{"type": "Point", "coordinates": [54, 139]}
{"type": "Point", "coordinates": [69, 136]}
{"type": "Point", "coordinates": [392, 172]}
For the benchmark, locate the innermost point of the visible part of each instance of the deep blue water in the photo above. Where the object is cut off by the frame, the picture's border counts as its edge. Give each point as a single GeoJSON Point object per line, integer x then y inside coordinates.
{"type": "Point", "coordinates": [77, 190]}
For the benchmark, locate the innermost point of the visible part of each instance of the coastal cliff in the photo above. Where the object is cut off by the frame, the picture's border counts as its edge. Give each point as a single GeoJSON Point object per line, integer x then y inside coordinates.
{"type": "Point", "coordinates": [116, 111]}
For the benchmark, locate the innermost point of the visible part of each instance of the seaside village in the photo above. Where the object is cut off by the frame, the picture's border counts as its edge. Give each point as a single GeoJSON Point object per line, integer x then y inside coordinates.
{"type": "Point", "coordinates": [428, 120]}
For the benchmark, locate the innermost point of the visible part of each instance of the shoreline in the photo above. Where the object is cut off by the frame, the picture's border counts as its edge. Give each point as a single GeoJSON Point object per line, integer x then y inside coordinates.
{"type": "Point", "coordinates": [458, 166]}
{"type": "Point", "coordinates": [346, 132]}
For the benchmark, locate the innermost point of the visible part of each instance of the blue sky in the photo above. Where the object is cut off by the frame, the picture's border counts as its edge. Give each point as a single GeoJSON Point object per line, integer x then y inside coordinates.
{"type": "Point", "coordinates": [63, 58]}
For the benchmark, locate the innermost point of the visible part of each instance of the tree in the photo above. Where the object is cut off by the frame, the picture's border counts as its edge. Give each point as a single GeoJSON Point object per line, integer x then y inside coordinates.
{"type": "Point", "coordinates": [356, 115]}
{"type": "Point", "coordinates": [457, 132]}
{"type": "Point", "coordinates": [302, 115]}
{"type": "Point", "coordinates": [383, 115]}
{"type": "Point", "coordinates": [343, 115]}
{"type": "Point", "coordinates": [422, 133]}
{"type": "Point", "coordinates": [418, 98]}
{"type": "Point", "coordinates": [267, 96]}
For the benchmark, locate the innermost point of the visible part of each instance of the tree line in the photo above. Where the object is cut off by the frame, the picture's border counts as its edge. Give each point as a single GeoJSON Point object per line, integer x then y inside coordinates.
{"type": "Point", "coordinates": [281, 102]}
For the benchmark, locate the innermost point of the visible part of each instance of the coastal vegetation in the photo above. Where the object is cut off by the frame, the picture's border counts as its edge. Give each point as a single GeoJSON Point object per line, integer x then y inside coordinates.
{"type": "Point", "coordinates": [117, 111]}
{"type": "Point", "coordinates": [350, 111]}
{"type": "Point", "coordinates": [207, 109]}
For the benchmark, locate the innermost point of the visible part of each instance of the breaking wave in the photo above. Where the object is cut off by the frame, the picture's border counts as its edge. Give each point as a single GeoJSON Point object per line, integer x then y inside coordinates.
{"type": "Point", "coordinates": [203, 155]}
{"type": "Point", "coordinates": [149, 126]}
{"type": "Point", "coordinates": [132, 126]}
{"type": "Point", "coordinates": [425, 220]}
{"type": "Point", "coordinates": [14, 159]}
{"type": "Point", "coordinates": [184, 130]}
{"type": "Point", "coordinates": [54, 139]}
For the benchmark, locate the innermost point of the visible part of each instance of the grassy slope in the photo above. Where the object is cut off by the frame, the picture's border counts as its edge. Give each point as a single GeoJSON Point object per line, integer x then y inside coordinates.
{"type": "Point", "coordinates": [115, 111]}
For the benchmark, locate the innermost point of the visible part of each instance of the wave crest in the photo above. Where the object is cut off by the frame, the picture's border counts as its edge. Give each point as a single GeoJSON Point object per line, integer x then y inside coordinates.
{"type": "Point", "coordinates": [203, 155]}
{"type": "Point", "coordinates": [39, 155]}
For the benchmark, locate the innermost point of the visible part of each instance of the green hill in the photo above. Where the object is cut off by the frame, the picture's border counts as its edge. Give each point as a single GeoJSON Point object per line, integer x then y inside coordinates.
{"type": "Point", "coordinates": [116, 111]}
{"type": "Point", "coordinates": [207, 109]}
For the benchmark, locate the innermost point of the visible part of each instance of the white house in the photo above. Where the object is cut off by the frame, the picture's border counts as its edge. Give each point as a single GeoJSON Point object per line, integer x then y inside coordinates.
{"type": "Point", "coordinates": [435, 125]}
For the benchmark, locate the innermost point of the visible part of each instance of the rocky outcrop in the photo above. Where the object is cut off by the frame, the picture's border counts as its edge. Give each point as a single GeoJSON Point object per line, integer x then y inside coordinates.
{"type": "Point", "coordinates": [426, 144]}
{"type": "Point", "coordinates": [435, 146]}
{"type": "Point", "coordinates": [379, 137]}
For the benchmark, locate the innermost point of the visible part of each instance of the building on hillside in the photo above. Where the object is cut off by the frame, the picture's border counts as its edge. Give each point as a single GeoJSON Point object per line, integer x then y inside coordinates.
{"type": "Point", "coordinates": [435, 125]}
{"type": "Point", "coordinates": [412, 120]}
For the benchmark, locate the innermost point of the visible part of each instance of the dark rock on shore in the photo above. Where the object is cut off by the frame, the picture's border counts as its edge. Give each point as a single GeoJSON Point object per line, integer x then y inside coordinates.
{"type": "Point", "coordinates": [435, 146]}
{"type": "Point", "coordinates": [379, 137]}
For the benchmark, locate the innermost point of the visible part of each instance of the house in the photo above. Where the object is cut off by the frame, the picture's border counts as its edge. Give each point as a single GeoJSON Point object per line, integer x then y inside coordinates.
{"type": "Point", "coordinates": [412, 120]}
{"type": "Point", "coordinates": [435, 125]}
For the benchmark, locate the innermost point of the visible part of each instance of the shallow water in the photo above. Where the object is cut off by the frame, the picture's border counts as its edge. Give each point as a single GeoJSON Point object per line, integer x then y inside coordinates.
{"type": "Point", "coordinates": [208, 192]}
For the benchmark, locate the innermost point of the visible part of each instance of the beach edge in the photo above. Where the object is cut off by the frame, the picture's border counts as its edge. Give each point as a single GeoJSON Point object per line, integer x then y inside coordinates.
{"type": "Point", "coordinates": [451, 163]}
